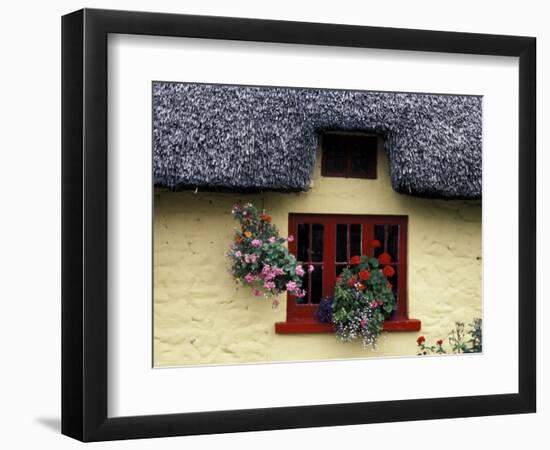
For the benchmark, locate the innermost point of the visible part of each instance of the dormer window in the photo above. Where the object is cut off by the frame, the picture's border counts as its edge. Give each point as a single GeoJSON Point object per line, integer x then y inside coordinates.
{"type": "Point", "coordinates": [348, 155]}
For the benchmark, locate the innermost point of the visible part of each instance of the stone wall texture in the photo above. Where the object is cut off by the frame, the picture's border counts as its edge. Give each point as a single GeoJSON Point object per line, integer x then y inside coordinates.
{"type": "Point", "coordinates": [202, 317]}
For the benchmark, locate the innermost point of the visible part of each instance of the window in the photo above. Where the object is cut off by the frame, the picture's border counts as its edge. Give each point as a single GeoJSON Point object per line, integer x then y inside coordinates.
{"type": "Point", "coordinates": [328, 242]}
{"type": "Point", "coordinates": [348, 155]}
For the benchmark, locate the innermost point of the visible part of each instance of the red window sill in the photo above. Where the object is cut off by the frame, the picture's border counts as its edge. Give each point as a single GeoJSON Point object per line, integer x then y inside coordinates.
{"type": "Point", "coordinates": [317, 327]}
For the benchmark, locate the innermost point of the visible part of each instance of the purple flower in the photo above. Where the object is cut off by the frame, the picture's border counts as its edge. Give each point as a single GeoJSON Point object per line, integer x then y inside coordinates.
{"type": "Point", "coordinates": [256, 243]}
{"type": "Point", "coordinates": [299, 293]}
{"type": "Point", "coordinates": [291, 286]}
{"type": "Point", "coordinates": [272, 240]}
{"type": "Point", "coordinates": [238, 254]}
{"type": "Point", "coordinates": [269, 285]}
{"type": "Point", "coordinates": [249, 278]}
{"type": "Point", "coordinates": [300, 271]}
{"type": "Point", "coordinates": [278, 271]}
{"type": "Point", "coordinates": [310, 268]}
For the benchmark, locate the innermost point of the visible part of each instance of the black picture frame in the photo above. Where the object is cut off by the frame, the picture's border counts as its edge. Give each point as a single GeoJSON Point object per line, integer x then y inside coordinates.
{"type": "Point", "coordinates": [84, 224]}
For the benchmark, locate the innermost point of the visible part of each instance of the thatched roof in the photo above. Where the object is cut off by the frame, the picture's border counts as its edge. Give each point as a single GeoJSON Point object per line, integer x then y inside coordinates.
{"type": "Point", "coordinates": [244, 138]}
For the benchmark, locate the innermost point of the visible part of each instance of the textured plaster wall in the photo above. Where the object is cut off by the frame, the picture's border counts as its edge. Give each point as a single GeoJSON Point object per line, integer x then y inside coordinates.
{"type": "Point", "coordinates": [201, 317]}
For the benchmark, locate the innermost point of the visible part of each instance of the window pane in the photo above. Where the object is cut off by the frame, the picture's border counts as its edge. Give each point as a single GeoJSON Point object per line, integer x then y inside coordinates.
{"type": "Point", "coordinates": [305, 285]}
{"type": "Point", "coordinates": [317, 242]}
{"type": "Point", "coordinates": [334, 154]}
{"type": "Point", "coordinates": [303, 242]}
{"type": "Point", "coordinates": [359, 158]}
{"type": "Point", "coordinates": [317, 284]}
{"type": "Point", "coordinates": [393, 242]}
{"type": "Point", "coordinates": [380, 235]}
{"type": "Point", "coordinates": [341, 243]}
{"type": "Point", "coordinates": [355, 239]}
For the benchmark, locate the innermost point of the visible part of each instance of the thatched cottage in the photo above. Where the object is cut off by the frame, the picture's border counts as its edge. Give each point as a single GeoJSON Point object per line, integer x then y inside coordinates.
{"type": "Point", "coordinates": [333, 168]}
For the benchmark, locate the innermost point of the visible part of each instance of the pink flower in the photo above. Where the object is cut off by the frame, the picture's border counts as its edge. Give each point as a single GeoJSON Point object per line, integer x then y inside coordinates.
{"type": "Point", "coordinates": [300, 293]}
{"type": "Point", "coordinates": [300, 271]}
{"type": "Point", "coordinates": [277, 271]}
{"type": "Point", "coordinates": [257, 292]}
{"type": "Point", "coordinates": [290, 238]}
{"type": "Point", "coordinates": [249, 278]}
{"type": "Point", "coordinates": [272, 240]}
{"type": "Point", "coordinates": [310, 268]}
{"type": "Point", "coordinates": [250, 258]}
{"type": "Point", "coordinates": [267, 273]}
{"type": "Point", "coordinates": [363, 323]}
{"type": "Point", "coordinates": [291, 286]}
{"type": "Point", "coordinates": [238, 254]}
{"type": "Point", "coordinates": [269, 285]}
{"type": "Point", "coordinates": [256, 243]}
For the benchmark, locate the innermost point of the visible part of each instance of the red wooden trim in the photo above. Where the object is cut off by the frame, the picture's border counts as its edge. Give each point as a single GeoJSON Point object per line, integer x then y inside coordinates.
{"type": "Point", "coordinates": [402, 301]}
{"type": "Point", "coordinates": [302, 327]}
{"type": "Point", "coordinates": [306, 312]}
{"type": "Point", "coordinates": [305, 327]}
{"type": "Point", "coordinates": [402, 325]}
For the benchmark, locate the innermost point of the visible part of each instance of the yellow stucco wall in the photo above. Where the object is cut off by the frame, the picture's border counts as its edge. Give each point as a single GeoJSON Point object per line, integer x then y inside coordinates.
{"type": "Point", "coordinates": [201, 317]}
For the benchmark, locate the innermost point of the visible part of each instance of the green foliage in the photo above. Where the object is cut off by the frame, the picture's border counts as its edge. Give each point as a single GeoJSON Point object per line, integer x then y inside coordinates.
{"type": "Point", "coordinates": [259, 257]}
{"type": "Point", "coordinates": [458, 340]}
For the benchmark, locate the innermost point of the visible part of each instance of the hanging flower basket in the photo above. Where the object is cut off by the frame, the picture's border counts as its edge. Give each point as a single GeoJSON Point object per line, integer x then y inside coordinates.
{"type": "Point", "coordinates": [259, 257]}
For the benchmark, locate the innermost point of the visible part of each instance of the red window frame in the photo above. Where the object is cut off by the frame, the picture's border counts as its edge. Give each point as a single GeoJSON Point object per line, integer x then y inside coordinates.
{"type": "Point", "coordinates": [302, 317]}
{"type": "Point", "coordinates": [345, 143]}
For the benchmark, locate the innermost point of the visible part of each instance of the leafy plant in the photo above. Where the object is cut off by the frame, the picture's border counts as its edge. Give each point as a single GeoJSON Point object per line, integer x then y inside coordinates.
{"type": "Point", "coordinates": [458, 340]}
{"type": "Point", "coordinates": [258, 257]}
{"type": "Point", "coordinates": [363, 299]}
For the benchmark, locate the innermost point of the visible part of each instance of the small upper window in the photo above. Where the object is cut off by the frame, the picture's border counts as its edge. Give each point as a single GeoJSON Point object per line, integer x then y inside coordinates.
{"type": "Point", "coordinates": [349, 155]}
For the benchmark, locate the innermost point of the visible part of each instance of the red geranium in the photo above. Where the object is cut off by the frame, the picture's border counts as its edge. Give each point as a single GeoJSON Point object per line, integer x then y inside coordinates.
{"type": "Point", "coordinates": [440, 342]}
{"type": "Point", "coordinates": [384, 258]}
{"type": "Point", "coordinates": [360, 286]}
{"type": "Point", "coordinates": [375, 243]}
{"type": "Point", "coordinates": [388, 271]}
{"type": "Point", "coordinates": [389, 285]}
{"type": "Point", "coordinates": [352, 281]}
{"type": "Point", "coordinates": [420, 340]}
{"type": "Point", "coordinates": [355, 260]}
{"type": "Point", "coordinates": [338, 279]}
{"type": "Point", "coordinates": [364, 274]}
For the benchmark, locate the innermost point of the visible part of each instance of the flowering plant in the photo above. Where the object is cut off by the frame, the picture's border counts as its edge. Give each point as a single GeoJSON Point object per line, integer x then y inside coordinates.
{"type": "Point", "coordinates": [457, 340]}
{"type": "Point", "coordinates": [363, 299]}
{"type": "Point", "coordinates": [260, 259]}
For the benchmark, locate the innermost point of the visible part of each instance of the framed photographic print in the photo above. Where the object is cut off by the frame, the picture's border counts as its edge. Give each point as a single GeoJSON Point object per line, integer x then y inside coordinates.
{"type": "Point", "coordinates": [273, 224]}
